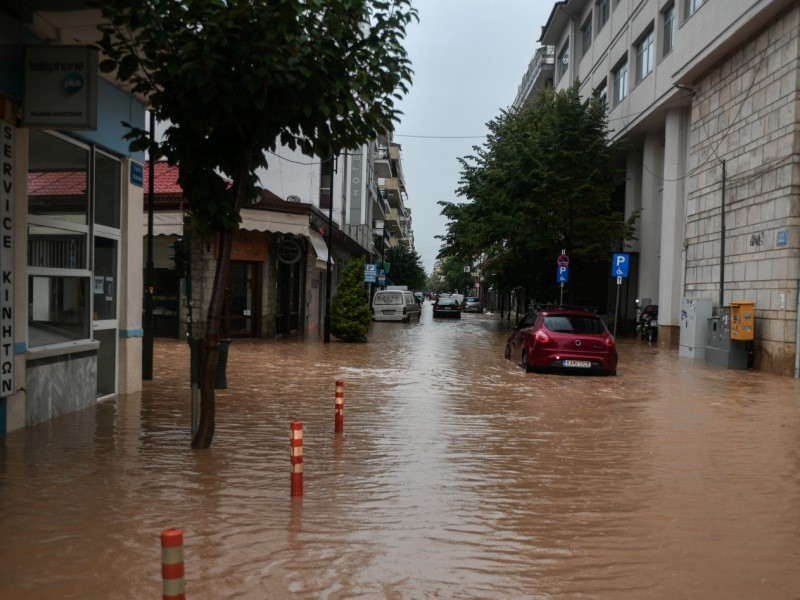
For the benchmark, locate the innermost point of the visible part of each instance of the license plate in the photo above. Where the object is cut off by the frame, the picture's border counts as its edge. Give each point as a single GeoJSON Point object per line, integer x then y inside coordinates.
{"type": "Point", "coordinates": [388, 312]}
{"type": "Point", "coordinates": [582, 364]}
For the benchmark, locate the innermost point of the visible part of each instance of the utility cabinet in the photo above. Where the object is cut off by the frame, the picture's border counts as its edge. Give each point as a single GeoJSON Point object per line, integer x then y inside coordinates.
{"type": "Point", "coordinates": [720, 348]}
{"type": "Point", "coordinates": [695, 313]}
{"type": "Point", "coordinates": [742, 320]}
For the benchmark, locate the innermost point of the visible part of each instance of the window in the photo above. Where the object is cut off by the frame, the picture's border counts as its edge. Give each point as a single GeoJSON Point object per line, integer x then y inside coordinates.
{"type": "Point", "coordinates": [620, 81]}
{"type": "Point", "coordinates": [586, 33]}
{"type": "Point", "coordinates": [601, 92]}
{"type": "Point", "coordinates": [563, 61]}
{"type": "Point", "coordinates": [74, 195]}
{"type": "Point", "coordinates": [602, 13]}
{"type": "Point", "coordinates": [325, 192]}
{"type": "Point", "coordinates": [644, 55]}
{"type": "Point", "coordinates": [669, 30]}
{"type": "Point", "coordinates": [691, 6]}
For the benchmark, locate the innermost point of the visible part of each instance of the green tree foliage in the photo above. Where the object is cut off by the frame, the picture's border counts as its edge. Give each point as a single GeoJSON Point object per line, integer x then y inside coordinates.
{"type": "Point", "coordinates": [406, 267]}
{"type": "Point", "coordinates": [350, 314]}
{"type": "Point", "coordinates": [541, 183]}
{"type": "Point", "coordinates": [235, 78]}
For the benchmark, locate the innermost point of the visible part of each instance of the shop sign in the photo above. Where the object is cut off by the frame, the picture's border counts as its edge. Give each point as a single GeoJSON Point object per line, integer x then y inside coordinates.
{"type": "Point", "coordinates": [6, 259]}
{"type": "Point", "coordinates": [60, 89]}
{"type": "Point", "coordinates": [289, 251]}
{"type": "Point", "coordinates": [249, 246]}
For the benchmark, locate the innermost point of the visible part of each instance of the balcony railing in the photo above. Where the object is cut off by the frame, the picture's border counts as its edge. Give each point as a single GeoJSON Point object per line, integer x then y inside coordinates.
{"type": "Point", "coordinates": [544, 57]}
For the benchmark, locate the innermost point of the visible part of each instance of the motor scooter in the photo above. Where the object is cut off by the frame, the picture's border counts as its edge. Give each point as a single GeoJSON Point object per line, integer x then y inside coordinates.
{"type": "Point", "coordinates": [647, 323]}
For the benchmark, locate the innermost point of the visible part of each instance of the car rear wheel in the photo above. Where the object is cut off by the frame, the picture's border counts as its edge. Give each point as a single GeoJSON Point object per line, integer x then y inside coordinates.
{"type": "Point", "coordinates": [525, 364]}
{"type": "Point", "coordinates": [507, 352]}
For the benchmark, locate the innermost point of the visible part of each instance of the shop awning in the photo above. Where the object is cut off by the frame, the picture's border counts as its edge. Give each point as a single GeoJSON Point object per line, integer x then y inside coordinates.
{"type": "Point", "coordinates": [171, 223]}
{"type": "Point", "coordinates": [320, 248]}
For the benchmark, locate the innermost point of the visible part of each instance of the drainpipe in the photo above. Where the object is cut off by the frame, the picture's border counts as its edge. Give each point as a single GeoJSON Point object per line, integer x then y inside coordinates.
{"type": "Point", "coordinates": [722, 243]}
{"type": "Point", "coordinates": [797, 336]}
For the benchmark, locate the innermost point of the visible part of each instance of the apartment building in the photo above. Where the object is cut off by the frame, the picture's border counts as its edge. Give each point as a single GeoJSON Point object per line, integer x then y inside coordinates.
{"type": "Point", "coordinates": [705, 92]}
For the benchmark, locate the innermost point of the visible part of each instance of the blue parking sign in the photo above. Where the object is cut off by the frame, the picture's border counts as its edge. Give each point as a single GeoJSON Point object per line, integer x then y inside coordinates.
{"type": "Point", "coordinates": [619, 265]}
{"type": "Point", "coordinates": [562, 274]}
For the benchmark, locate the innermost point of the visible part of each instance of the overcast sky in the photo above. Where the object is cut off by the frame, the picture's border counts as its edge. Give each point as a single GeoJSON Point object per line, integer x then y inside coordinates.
{"type": "Point", "coordinates": [469, 57]}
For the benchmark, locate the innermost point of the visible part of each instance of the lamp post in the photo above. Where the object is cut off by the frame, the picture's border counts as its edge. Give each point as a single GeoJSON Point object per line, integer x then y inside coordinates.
{"type": "Point", "coordinates": [327, 326]}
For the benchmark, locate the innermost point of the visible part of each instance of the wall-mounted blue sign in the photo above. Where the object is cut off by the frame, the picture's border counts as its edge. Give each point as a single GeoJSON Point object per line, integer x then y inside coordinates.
{"type": "Point", "coordinates": [782, 238]}
{"type": "Point", "coordinates": [137, 174]}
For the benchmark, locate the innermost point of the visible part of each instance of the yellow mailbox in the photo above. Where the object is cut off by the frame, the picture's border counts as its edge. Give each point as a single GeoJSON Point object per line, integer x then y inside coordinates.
{"type": "Point", "coordinates": [742, 320]}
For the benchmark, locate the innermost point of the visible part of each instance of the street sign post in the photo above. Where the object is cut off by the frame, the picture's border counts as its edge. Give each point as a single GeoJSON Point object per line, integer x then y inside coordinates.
{"type": "Point", "coordinates": [562, 271]}
{"type": "Point", "coordinates": [619, 269]}
{"type": "Point", "coordinates": [370, 273]}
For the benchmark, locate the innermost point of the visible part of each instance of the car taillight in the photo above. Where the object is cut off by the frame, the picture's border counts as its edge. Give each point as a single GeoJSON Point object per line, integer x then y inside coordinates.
{"type": "Point", "coordinates": [541, 336]}
{"type": "Point", "coordinates": [609, 342]}
{"type": "Point", "coordinates": [404, 310]}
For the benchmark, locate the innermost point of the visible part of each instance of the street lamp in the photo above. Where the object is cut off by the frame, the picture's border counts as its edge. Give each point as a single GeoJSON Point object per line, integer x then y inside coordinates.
{"type": "Point", "coordinates": [379, 229]}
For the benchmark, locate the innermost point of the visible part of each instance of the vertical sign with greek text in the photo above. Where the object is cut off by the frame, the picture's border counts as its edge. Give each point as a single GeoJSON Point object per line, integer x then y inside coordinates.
{"type": "Point", "coordinates": [6, 259]}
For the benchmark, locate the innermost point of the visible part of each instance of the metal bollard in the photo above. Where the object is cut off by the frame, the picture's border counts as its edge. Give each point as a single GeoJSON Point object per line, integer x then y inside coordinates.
{"type": "Point", "coordinates": [297, 458]}
{"type": "Point", "coordinates": [339, 424]}
{"type": "Point", "coordinates": [173, 583]}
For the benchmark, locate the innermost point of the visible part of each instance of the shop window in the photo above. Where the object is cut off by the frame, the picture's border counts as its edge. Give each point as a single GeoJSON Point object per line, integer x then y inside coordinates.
{"type": "Point", "coordinates": [58, 309]}
{"type": "Point", "coordinates": [107, 192]}
{"type": "Point", "coordinates": [72, 272]}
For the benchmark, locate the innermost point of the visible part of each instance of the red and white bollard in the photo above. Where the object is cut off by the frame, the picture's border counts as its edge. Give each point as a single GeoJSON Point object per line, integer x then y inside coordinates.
{"type": "Point", "coordinates": [339, 425]}
{"type": "Point", "coordinates": [173, 583]}
{"type": "Point", "coordinates": [297, 458]}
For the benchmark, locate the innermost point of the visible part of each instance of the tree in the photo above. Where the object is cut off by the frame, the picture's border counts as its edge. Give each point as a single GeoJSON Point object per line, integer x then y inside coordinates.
{"type": "Point", "coordinates": [406, 267]}
{"type": "Point", "coordinates": [542, 182]}
{"type": "Point", "coordinates": [350, 314]}
{"type": "Point", "coordinates": [236, 77]}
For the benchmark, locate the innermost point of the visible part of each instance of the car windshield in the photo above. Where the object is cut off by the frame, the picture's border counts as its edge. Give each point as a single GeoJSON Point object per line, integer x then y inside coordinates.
{"type": "Point", "coordinates": [446, 302]}
{"type": "Point", "coordinates": [390, 298]}
{"type": "Point", "coordinates": [472, 300]}
{"type": "Point", "coordinates": [580, 324]}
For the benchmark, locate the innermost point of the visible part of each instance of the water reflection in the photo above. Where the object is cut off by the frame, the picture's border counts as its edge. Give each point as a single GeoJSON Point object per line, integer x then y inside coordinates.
{"type": "Point", "coordinates": [458, 475]}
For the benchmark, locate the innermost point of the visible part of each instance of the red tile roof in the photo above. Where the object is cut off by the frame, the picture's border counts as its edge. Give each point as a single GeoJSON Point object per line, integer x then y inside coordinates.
{"type": "Point", "coordinates": [57, 183]}
{"type": "Point", "coordinates": [165, 181]}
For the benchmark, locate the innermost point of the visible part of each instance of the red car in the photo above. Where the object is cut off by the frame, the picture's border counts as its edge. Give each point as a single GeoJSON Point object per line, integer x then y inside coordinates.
{"type": "Point", "coordinates": [565, 339]}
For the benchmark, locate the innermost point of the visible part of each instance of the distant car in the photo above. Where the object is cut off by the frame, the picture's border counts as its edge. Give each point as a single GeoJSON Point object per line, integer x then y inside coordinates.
{"type": "Point", "coordinates": [564, 339]}
{"type": "Point", "coordinates": [447, 307]}
{"type": "Point", "coordinates": [472, 304]}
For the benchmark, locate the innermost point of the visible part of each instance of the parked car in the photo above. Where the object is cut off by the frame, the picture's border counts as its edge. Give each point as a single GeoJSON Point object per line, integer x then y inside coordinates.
{"type": "Point", "coordinates": [394, 305]}
{"type": "Point", "coordinates": [472, 304]}
{"type": "Point", "coordinates": [447, 307]}
{"type": "Point", "coordinates": [562, 338]}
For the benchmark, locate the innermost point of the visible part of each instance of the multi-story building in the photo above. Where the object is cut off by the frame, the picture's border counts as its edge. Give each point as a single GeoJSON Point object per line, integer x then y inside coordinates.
{"type": "Point", "coordinates": [707, 94]}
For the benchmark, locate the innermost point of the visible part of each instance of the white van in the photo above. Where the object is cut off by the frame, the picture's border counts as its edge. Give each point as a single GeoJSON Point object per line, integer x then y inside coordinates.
{"type": "Point", "coordinates": [394, 305]}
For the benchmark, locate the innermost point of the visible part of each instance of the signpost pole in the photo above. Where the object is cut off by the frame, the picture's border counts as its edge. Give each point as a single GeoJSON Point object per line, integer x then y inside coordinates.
{"type": "Point", "coordinates": [562, 293]}
{"type": "Point", "coordinates": [616, 306]}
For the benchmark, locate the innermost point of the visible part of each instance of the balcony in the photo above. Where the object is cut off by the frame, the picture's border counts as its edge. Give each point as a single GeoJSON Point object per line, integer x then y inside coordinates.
{"type": "Point", "coordinates": [394, 222]}
{"type": "Point", "coordinates": [391, 187]}
{"type": "Point", "coordinates": [540, 71]}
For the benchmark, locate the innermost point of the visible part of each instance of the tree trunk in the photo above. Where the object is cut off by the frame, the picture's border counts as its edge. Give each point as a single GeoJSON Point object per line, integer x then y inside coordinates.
{"type": "Point", "coordinates": [208, 368]}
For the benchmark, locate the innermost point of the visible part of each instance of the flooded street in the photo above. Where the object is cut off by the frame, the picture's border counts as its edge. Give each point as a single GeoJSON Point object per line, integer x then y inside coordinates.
{"type": "Point", "coordinates": [458, 476]}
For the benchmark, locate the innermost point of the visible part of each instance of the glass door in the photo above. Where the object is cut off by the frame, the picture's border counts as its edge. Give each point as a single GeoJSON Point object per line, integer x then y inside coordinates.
{"type": "Point", "coordinates": [241, 315]}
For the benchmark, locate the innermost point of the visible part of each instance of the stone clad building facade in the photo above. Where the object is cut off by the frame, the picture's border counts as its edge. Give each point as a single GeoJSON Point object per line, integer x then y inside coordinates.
{"type": "Point", "coordinates": [707, 97]}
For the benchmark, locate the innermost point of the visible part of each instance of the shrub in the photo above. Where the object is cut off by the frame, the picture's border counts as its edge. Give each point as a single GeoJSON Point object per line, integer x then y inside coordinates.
{"type": "Point", "coordinates": [350, 314]}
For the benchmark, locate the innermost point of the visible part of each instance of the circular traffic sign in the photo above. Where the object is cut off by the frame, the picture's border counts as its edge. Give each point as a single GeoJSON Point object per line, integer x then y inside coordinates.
{"type": "Point", "coordinates": [562, 260]}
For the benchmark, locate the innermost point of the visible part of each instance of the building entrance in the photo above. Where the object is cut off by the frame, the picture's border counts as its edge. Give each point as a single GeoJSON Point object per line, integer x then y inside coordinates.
{"type": "Point", "coordinates": [241, 317]}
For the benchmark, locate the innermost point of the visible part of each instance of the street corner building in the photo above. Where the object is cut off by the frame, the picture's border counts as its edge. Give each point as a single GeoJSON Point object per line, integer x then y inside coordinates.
{"type": "Point", "coordinates": [706, 95]}
{"type": "Point", "coordinates": [76, 220]}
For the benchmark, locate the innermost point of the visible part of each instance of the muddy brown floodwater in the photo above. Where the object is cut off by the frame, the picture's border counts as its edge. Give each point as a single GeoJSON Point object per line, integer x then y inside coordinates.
{"type": "Point", "coordinates": [458, 476]}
